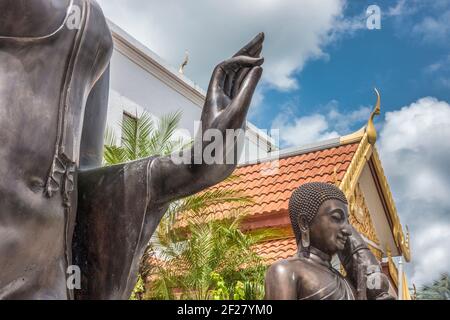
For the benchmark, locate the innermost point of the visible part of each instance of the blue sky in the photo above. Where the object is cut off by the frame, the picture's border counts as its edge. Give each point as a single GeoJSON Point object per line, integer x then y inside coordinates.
{"type": "Point", "coordinates": [396, 60]}
{"type": "Point", "coordinates": [321, 66]}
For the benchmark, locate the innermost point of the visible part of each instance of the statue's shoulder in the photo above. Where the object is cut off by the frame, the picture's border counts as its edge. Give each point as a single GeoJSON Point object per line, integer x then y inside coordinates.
{"type": "Point", "coordinates": [286, 268]}
{"type": "Point", "coordinates": [99, 24]}
{"type": "Point", "coordinates": [100, 35]}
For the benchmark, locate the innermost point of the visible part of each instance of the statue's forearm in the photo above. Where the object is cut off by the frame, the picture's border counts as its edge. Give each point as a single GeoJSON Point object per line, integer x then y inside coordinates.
{"type": "Point", "coordinates": [171, 180]}
{"type": "Point", "coordinates": [356, 257]}
{"type": "Point", "coordinates": [356, 252]}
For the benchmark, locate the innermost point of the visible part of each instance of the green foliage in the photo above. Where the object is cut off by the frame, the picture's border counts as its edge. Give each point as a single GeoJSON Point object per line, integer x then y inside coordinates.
{"type": "Point", "coordinates": [215, 261]}
{"type": "Point", "coordinates": [143, 137]}
{"type": "Point", "coordinates": [249, 290]}
{"type": "Point", "coordinates": [221, 291]}
{"type": "Point", "coordinates": [439, 290]}
{"type": "Point", "coordinates": [139, 290]}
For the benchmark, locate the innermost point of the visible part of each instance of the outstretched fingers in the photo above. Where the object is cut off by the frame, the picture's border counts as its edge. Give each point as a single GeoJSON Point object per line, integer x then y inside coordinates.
{"type": "Point", "coordinates": [237, 63]}
{"type": "Point", "coordinates": [232, 65]}
{"type": "Point", "coordinates": [253, 47]}
{"type": "Point", "coordinates": [241, 102]}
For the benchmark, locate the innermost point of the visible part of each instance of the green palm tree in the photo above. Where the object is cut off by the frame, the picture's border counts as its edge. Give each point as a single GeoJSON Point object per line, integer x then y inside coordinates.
{"type": "Point", "coordinates": [209, 260]}
{"type": "Point", "coordinates": [439, 290]}
{"type": "Point", "coordinates": [143, 137]}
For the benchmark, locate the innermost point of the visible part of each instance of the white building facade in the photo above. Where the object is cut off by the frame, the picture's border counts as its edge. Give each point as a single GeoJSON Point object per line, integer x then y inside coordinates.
{"type": "Point", "coordinates": [143, 81]}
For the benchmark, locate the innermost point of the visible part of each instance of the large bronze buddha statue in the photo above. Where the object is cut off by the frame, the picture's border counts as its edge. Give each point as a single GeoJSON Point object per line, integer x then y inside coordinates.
{"type": "Point", "coordinates": [319, 217]}
{"type": "Point", "coordinates": [58, 207]}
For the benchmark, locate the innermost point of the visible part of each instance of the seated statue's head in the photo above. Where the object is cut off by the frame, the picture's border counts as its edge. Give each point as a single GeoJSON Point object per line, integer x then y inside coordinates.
{"type": "Point", "coordinates": [319, 217]}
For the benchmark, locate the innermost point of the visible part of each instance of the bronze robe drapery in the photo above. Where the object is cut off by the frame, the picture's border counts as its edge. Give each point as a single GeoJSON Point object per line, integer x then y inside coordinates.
{"type": "Point", "coordinates": [335, 288]}
{"type": "Point", "coordinates": [116, 218]}
{"type": "Point", "coordinates": [53, 103]}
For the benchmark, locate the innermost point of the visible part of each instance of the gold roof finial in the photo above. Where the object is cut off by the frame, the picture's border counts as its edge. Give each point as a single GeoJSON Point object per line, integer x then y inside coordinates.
{"type": "Point", "coordinates": [371, 131]}
{"type": "Point", "coordinates": [185, 62]}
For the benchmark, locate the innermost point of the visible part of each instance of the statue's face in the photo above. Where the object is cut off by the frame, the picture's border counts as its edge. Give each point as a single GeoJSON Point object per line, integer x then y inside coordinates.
{"type": "Point", "coordinates": [329, 230]}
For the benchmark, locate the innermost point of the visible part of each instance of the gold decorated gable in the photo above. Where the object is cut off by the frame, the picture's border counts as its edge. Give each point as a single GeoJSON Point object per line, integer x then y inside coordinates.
{"type": "Point", "coordinates": [367, 153]}
{"type": "Point", "coordinates": [360, 217]}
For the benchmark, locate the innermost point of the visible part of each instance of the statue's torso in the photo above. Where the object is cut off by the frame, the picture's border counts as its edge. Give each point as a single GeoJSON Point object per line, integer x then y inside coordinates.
{"type": "Point", "coordinates": [319, 282]}
{"type": "Point", "coordinates": [44, 84]}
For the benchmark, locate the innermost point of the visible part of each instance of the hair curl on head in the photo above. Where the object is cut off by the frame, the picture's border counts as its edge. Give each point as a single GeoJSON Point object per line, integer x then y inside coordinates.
{"type": "Point", "coordinates": [307, 199]}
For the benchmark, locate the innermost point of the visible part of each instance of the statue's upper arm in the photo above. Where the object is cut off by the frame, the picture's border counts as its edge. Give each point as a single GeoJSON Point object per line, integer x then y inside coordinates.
{"type": "Point", "coordinates": [91, 150]}
{"type": "Point", "coordinates": [281, 282]}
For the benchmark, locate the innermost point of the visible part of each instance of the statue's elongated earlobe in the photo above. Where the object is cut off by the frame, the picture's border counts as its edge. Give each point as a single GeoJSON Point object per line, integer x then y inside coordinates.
{"type": "Point", "coordinates": [305, 238]}
{"type": "Point", "coordinates": [304, 233]}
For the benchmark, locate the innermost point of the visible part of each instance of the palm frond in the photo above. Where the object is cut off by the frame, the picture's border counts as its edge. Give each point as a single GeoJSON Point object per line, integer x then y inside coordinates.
{"type": "Point", "coordinates": [135, 136]}
{"type": "Point", "coordinates": [186, 264]}
{"type": "Point", "coordinates": [112, 154]}
{"type": "Point", "coordinates": [110, 137]}
{"type": "Point", "coordinates": [142, 138]}
{"type": "Point", "coordinates": [438, 290]}
{"type": "Point", "coordinates": [161, 136]}
{"type": "Point", "coordinates": [214, 246]}
{"type": "Point", "coordinates": [197, 204]}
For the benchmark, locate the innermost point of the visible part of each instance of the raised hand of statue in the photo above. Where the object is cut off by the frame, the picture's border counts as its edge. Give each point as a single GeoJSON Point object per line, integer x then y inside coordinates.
{"type": "Point", "coordinates": [229, 95]}
{"type": "Point", "coordinates": [232, 86]}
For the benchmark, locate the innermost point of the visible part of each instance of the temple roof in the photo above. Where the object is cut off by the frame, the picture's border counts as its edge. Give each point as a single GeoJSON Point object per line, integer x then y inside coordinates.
{"type": "Point", "coordinates": [275, 250]}
{"type": "Point", "coordinates": [270, 182]}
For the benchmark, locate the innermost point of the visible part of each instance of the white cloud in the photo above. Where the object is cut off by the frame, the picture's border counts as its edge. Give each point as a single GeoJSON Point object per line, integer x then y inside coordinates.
{"type": "Point", "coordinates": [434, 28]}
{"type": "Point", "coordinates": [343, 122]}
{"type": "Point", "coordinates": [419, 136]}
{"type": "Point", "coordinates": [404, 8]}
{"type": "Point", "coordinates": [398, 9]}
{"type": "Point", "coordinates": [444, 82]}
{"type": "Point", "coordinates": [303, 130]}
{"type": "Point", "coordinates": [432, 243]}
{"type": "Point", "coordinates": [296, 131]}
{"type": "Point", "coordinates": [442, 64]}
{"type": "Point", "coordinates": [415, 150]}
{"type": "Point", "coordinates": [414, 146]}
{"type": "Point", "coordinates": [439, 72]}
{"type": "Point", "coordinates": [296, 31]}
{"type": "Point", "coordinates": [426, 21]}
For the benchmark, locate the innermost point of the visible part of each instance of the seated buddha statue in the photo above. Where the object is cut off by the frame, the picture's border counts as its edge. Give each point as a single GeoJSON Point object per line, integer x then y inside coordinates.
{"type": "Point", "coordinates": [319, 217]}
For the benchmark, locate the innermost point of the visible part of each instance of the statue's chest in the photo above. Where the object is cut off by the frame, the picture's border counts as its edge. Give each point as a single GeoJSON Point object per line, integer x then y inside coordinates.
{"type": "Point", "coordinates": [325, 284]}
{"type": "Point", "coordinates": [31, 85]}
{"type": "Point", "coordinates": [44, 87]}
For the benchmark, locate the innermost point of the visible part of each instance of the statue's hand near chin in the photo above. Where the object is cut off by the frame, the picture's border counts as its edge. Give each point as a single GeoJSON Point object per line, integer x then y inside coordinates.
{"type": "Point", "coordinates": [378, 287]}
{"type": "Point", "coordinates": [385, 296]}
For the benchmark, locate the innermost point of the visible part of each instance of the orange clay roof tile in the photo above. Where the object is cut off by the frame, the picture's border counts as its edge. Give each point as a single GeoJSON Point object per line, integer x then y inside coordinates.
{"type": "Point", "coordinates": [275, 250]}
{"type": "Point", "coordinates": [271, 192]}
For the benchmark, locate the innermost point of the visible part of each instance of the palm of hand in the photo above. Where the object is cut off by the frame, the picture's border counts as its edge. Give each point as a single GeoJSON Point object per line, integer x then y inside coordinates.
{"type": "Point", "coordinates": [232, 86]}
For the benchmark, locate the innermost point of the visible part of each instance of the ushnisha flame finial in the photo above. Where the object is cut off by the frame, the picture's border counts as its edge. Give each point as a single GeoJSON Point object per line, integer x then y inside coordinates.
{"type": "Point", "coordinates": [371, 131]}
